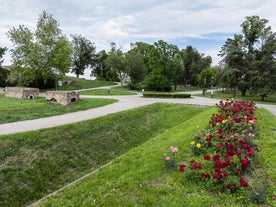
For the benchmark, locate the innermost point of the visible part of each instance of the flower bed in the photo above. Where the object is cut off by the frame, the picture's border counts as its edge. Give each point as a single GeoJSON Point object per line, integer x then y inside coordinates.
{"type": "Point", "coordinates": [223, 155]}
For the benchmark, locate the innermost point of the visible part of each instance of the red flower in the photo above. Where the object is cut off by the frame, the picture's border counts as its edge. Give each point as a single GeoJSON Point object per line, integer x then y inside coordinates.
{"type": "Point", "coordinates": [239, 172]}
{"type": "Point", "coordinates": [219, 145]}
{"type": "Point", "coordinates": [196, 166]}
{"type": "Point", "coordinates": [229, 185]}
{"type": "Point", "coordinates": [182, 168]}
{"type": "Point", "coordinates": [243, 183]}
{"type": "Point", "coordinates": [207, 157]}
{"type": "Point", "coordinates": [206, 175]}
{"type": "Point", "coordinates": [244, 163]}
{"type": "Point", "coordinates": [216, 157]}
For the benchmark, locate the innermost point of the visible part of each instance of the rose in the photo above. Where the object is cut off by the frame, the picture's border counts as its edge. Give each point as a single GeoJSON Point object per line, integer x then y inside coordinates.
{"type": "Point", "coordinates": [243, 183]}
{"type": "Point", "coordinates": [229, 185]}
{"type": "Point", "coordinates": [182, 168]}
{"type": "Point", "coordinates": [207, 157]}
{"type": "Point", "coordinates": [173, 149]}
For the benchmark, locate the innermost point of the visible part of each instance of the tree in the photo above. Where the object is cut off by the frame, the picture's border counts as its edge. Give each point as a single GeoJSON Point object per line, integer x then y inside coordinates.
{"type": "Point", "coordinates": [3, 72]}
{"type": "Point", "coordinates": [115, 62]}
{"type": "Point", "coordinates": [234, 62]}
{"type": "Point", "coordinates": [250, 58]}
{"type": "Point", "coordinates": [194, 63]}
{"type": "Point", "coordinates": [135, 67]}
{"type": "Point", "coordinates": [84, 54]}
{"type": "Point", "coordinates": [40, 57]}
{"type": "Point", "coordinates": [163, 63]}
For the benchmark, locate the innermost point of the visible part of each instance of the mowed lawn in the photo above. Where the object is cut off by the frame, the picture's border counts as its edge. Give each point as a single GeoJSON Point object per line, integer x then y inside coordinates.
{"type": "Point", "coordinates": [12, 109]}
{"type": "Point", "coordinates": [36, 163]}
{"type": "Point", "coordinates": [138, 178]}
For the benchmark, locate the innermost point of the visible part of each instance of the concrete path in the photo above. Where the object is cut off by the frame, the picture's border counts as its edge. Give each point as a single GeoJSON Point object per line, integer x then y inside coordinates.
{"type": "Point", "coordinates": [124, 103]}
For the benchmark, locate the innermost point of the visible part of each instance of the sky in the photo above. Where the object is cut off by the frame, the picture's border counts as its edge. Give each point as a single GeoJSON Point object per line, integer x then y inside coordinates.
{"type": "Point", "coordinates": [203, 24]}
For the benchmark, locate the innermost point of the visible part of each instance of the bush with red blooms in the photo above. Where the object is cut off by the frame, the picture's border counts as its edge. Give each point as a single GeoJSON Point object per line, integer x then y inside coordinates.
{"type": "Point", "coordinates": [224, 153]}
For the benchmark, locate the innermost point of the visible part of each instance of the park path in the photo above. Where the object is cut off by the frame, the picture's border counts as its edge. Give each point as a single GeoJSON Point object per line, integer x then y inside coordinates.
{"type": "Point", "coordinates": [124, 103]}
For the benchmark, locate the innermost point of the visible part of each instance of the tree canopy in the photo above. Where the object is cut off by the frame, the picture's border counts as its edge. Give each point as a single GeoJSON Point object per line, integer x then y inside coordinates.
{"type": "Point", "coordinates": [41, 56]}
{"type": "Point", "coordinates": [249, 58]}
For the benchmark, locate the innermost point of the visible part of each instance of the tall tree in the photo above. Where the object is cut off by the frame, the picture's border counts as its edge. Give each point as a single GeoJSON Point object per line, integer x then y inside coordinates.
{"type": "Point", "coordinates": [194, 63]}
{"type": "Point", "coordinates": [40, 57]}
{"type": "Point", "coordinates": [115, 61]}
{"type": "Point", "coordinates": [250, 57]}
{"type": "Point", "coordinates": [84, 54]}
{"type": "Point", "coordinates": [234, 62]}
{"type": "Point", "coordinates": [163, 65]}
{"type": "Point", "coordinates": [3, 72]}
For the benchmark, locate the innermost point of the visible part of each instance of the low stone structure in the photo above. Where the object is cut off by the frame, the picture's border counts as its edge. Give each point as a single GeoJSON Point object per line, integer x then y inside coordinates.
{"type": "Point", "coordinates": [62, 97]}
{"type": "Point", "coordinates": [21, 92]}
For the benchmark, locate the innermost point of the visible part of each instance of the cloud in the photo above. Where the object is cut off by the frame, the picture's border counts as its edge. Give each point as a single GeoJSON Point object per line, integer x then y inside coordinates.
{"type": "Point", "coordinates": [200, 23]}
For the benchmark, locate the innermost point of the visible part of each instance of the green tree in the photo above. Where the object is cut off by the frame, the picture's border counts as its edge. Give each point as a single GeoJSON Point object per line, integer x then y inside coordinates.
{"type": "Point", "coordinates": [84, 54]}
{"type": "Point", "coordinates": [250, 58]}
{"type": "Point", "coordinates": [99, 69]}
{"type": "Point", "coordinates": [163, 64]}
{"type": "Point", "coordinates": [43, 56]}
{"type": "Point", "coordinates": [135, 67]}
{"type": "Point", "coordinates": [234, 61]}
{"type": "Point", "coordinates": [116, 62]}
{"type": "Point", "coordinates": [194, 62]}
{"type": "Point", "coordinates": [206, 76]}
{"type": "Point", "coordinates": [3, 72]}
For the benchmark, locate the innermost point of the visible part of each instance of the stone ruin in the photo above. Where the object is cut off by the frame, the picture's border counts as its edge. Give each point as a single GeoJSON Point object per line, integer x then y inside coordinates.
{"type": "Point", "coordinates": [62, 97]}
{"type": "Point", "coordinates": [21, 92]}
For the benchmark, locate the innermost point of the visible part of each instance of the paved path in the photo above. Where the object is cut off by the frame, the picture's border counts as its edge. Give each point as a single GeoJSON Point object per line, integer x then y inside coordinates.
{"type": "Point", "coordinates": [124, 103]}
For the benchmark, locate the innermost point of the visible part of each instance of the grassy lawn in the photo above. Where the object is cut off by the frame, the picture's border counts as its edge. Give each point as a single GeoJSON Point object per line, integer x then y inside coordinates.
{"type": "Point", "coordinates": [36, 163]}
{"type": "Point", "coordinates": [138, 177]}
{"type": "Point", "coordinates": [25, 109]}
{"type": "Point", "coordinates": [111, 91]}
{"type": "Point", "coordinates": [78, 83]}
{"type": "Point", "coordinates": [271, 99]}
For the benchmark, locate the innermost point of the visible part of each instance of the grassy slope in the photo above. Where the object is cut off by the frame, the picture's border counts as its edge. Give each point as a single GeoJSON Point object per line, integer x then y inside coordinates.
{"type": "Point", "coordinates": [108, 92]}
{"type": "Point", "coordinates": [82, 83]}
{"type": "Point", "coordinates": [36, 163]}
{"type": "Point", "coordinates": [138, 179]}
{"type": "Point", "coordinates": [24, 109]}
{"type": "Point", "coordinates": [220, 95]}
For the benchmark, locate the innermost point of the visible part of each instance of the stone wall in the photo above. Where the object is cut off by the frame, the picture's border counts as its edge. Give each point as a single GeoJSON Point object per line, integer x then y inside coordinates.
{"type": "Point", "coordinates": [62, 97]}
{"type": "Point", "coordinates": [21, 92]}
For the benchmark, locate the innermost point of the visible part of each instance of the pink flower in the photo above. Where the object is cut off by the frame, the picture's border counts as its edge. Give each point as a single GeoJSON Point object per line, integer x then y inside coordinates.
{"type": "Point", "coordinates": [167, 158]}
{"type": "Point", "coordinates": [173, 149]}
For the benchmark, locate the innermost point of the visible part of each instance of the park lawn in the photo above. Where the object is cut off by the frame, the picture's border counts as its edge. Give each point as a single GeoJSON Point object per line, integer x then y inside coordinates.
{"type": "Point", "coordinates": [80, 83]}
{"type": "Point", "coordinates": [223, 95]}
{"type": "Point", "coordinates": [12, 109]}
{"type": "Point", "coordinates": [110, 91]}
{"type": "Point", "coordinates": [36, 163]}
{"type": "Point", "coordinates": [138, 178]}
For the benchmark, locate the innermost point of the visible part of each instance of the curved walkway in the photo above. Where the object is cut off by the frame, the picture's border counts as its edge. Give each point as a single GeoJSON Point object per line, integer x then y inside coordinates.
{"type": "Point", "coordinates": [124, 103]}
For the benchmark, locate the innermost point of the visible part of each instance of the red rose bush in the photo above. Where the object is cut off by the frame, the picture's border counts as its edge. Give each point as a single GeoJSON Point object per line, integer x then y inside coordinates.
{"type": "Point", "coordinates": [224, 154]}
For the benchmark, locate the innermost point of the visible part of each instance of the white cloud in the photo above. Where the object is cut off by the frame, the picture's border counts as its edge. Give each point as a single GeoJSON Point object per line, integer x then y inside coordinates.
{"type": "Point", "coordinates": [123, 22]}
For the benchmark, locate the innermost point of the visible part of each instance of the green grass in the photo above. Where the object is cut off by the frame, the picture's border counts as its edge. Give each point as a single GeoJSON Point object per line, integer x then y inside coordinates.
{"type": "Point", "coordinates": [25, 109]}
{"type": "Point", "coordinates": [138, 177]}
{"type": "Point", "coordinates": [79, 83]}
{"type": "Point", "coordinates": [110, 91]}
{"type": "Point", "coordinates": [271, 99]}
{"type": "Point", "coordinates": [35, 163]}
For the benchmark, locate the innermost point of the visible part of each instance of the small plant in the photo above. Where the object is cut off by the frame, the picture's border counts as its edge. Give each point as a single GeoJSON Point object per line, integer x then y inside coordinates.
{"type": "Point", "coordinates": [170, 161]}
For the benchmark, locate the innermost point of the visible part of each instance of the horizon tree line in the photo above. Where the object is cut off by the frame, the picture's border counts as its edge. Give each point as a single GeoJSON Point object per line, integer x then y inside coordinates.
{"type": "Point", "coordinates": [42, 56]}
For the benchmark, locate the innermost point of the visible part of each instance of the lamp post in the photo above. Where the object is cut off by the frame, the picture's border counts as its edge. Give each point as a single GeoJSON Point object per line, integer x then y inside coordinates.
{"type": "Point", "coordinates": [204, 86]}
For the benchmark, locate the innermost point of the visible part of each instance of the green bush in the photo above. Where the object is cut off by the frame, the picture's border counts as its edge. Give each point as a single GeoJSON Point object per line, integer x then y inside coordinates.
{"type": "Point", "coordinates": [167, 95]}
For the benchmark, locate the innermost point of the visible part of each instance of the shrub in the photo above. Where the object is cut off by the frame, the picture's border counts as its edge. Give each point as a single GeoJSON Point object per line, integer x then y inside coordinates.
{"type": "Point", "coordinates": [224, 154]}
{"type": "Point", "coordinates": [166, 95]}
